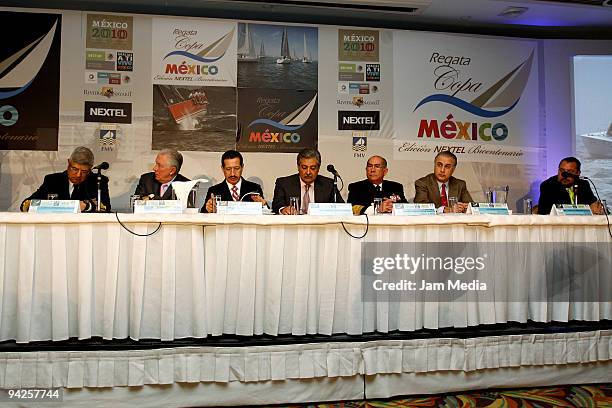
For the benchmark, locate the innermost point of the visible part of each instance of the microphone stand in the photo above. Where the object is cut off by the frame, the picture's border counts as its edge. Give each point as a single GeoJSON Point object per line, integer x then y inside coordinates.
{"type": "Point", "coordinates": [335, 186]}
{"type": "Point", "coordinates": [99, 203]}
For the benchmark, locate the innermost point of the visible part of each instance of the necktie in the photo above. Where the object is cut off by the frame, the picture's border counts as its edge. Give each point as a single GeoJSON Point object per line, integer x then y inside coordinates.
{"type": "Point", "coordinates": [306, 200]}
{"type": "Point", "coordinates": [74, 194]}
{"type": "Point", "coordinates": [443, 198]}
{"type": "Point", "coordinates": [378, 192]}
{"type": "Point", "coordinates": [235, 195]}
{"type": "Point", "coordinates": [163, 189]}
{"type": "Point", "coordinates": [572, 195]}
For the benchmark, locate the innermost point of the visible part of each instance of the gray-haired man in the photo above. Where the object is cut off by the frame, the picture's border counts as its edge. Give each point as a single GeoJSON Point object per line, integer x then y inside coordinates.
{"type": "Point", "coordinates": [156, 184]}
{"type": "Point", "coordinates": [77, 182]}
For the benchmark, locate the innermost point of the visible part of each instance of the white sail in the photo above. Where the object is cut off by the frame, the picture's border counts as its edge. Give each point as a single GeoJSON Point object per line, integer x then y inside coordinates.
{"type": "Point", "coordinates": [28, 68]}
{"type": "Point", "coordinates": [262, 51]}
{"type": "Point", "coordinates": [285, 57]}
{"type": "Point", "coordinates": [247, 51]}
{"type": "Point", "coordinates": [300, 115]}
{"type": "Point", "coordinates": [306, 53]}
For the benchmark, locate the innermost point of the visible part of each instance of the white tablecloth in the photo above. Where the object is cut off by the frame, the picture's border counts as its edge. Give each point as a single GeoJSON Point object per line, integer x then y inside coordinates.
{"type": "Point", "coordinates": [83, 275]}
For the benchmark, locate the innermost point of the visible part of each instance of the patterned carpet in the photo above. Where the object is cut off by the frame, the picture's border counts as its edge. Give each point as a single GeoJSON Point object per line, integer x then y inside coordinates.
{"type": "Point", "coordinates": [583, 396]}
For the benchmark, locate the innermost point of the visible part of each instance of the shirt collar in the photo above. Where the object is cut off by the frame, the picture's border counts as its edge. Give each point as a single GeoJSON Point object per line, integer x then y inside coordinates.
{"type": "Point", "coordinates": [238, 184]}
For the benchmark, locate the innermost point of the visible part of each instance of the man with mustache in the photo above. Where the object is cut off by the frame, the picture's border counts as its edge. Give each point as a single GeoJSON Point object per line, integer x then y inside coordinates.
{"type": "Point", "coordinates": [156, 185]}
{"type": "Point", "coordinates": [566, 187]}
{"type": "Point", "coordinates": [307, 185]}
{"type": "Point", "coordinates": [234, 187]}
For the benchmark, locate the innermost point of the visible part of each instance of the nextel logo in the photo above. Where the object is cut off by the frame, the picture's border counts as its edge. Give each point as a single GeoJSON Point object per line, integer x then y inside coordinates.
{"type": "Point", "coordinates": [108, 112]}
{"type": "Point", "coordinates": [358, 120]}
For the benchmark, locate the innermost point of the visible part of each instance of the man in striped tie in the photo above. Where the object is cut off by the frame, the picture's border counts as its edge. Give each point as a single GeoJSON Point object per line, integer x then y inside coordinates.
{"type": "Point", "coordinates": [439, 186]}
{"type": "Point", "coordinates": [233, 187]}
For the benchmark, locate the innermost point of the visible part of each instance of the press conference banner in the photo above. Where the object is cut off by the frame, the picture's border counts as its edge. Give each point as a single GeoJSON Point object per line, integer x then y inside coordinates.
{"type": "Point", "coordinates": [477, 97]}
{"type": "Point", "coordinates": [29, 80]}
{"type": "Point", "coordinates": [280, 120]}
{"type": "Point", "coordinates": [194, 52]}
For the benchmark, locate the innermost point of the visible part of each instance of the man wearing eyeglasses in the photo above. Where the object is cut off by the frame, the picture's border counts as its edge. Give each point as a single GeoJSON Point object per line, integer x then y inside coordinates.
{"type": "Point", "coordinates": [77, 182]}
{"type": "Point", "coordinates": [439, 186]}
{"type": "Point", "coordinates": [362, 193]}
{"type": "Point", "coordinates": [566, 187]}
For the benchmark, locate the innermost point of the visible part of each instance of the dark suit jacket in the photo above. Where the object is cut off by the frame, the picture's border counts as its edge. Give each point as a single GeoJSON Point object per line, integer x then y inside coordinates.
{"type": "Point", "coordinates": [427, 190]}
{"type": "Point", "coordinates": [224, 191]}
{"type": "Point", "coordinates": [552, 192]}
{"type": "Point", "coordinates": [148, 185]}
{"type": "Point", "coordinates": [88, 190]}
{"type": "Point", "coordinates": [362, 192]}
{"type": "Point", "coordinates": [287, 187]}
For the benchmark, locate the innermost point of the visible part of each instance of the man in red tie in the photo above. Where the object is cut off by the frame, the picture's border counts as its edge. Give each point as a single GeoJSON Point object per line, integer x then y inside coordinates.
{"type": "Point", "coordinates": [438, 186]}
{"type": "Point", "coordinates": [234, 187]}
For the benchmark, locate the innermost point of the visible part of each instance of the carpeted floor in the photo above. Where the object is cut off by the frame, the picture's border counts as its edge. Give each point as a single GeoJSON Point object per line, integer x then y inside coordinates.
{"type": "Point", "coordinates": [583, 396]}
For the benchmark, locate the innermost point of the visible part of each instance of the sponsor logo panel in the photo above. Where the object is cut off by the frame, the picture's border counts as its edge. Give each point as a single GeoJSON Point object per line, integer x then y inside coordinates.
{"type": "Point", "coordinates": [358, 120]}
{"type": "Point", "coordinates": [108, 112]}
{"type": "Point", "coordinates": [358, 45]}
{"type": "Point", "coordinates": [109, 32]}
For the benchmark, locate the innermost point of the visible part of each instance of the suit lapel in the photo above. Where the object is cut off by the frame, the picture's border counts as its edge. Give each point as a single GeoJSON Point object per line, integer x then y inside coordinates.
{"type": "Point", "coordinates": [435, 191]}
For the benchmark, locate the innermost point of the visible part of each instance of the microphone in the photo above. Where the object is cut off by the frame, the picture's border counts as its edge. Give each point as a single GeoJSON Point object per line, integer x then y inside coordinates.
{"type": "Point", "coordinates": [102, 166]}
{"type": "Point", "coordinates": [332, 170]}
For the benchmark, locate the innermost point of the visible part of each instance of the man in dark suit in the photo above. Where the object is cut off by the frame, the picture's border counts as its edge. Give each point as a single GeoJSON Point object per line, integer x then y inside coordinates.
{"type": "Point", "coordinates": [567, 188]}
{"type": "Point", "coordinates": [77, 182]}
{"type": "Point", "coordinates": [234, 187]}
{"type": "Point", "coordinates": [362, 193]}
{"type": "Point", "coordinates": [438, 186]}
{"type": "Point", "coordinates": [157, 184]}
{"type": "Point", "coordinates": [306, 184]}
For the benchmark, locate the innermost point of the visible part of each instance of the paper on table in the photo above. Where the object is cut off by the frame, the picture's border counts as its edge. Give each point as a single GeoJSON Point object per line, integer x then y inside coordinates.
{"type": "Point", "coordinates": [182, 189]}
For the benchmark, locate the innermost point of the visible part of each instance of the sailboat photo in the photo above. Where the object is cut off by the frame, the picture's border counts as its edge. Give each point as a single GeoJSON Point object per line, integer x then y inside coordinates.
{"type": "Point", "coordinates": [246, 53]}
{"type": "Point", "coordinates": [306, 59]}
{"type": "Point", "coordinates": [262, 51]}
{"type": "Point", "coordinates": [285, 57]}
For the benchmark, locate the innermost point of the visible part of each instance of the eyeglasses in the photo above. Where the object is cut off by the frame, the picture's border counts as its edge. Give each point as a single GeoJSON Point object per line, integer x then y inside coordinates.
{"type": "Point", "coordinates": [570, 171]}
{"type": "Point", "coordinates": [376, 166]}
{"type": "Point", "coordinates": [76, 170]}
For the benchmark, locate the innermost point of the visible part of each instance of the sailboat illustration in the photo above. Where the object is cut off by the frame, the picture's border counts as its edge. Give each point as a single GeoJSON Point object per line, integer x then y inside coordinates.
{"type": "Point", "coordinates": [294, 120]}
{"type": "Point", "coordinates": [262, 51]}
{"type": "Point", "coordinates": [32, 57]}
{"type": "Point", "coordinates": [285, 57]}
{"type": "Point", "coordinates": [307, 57]}
{"type": "Point", "coordinates": [246, 53]}
{"type": "Point", "coordinates": [504, 94]}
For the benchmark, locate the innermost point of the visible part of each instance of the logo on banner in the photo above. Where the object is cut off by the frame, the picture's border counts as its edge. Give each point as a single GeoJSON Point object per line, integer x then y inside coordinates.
{"type": "Point", "coordinates": [360, 143]}
{"type": "Point", "coordinates": [29, 120]}
{"type": "Point", "coordinates": [108, 112]}
{"type": "Point", "coordinates": [358, 45]}
{"type": "Point", "coordinates": [190, 48]}
{"type": "Point", "coordinates": [108, 91]}
{"type": "Point", "coordinates": [499, 99]}
{"type": "Point", "coordinates": [125, 61]}
{"type": "Point", "coordinates": [20, 76]}
{"type": "Point", "coordinates": [358, 101]}
{"type": "Point", "coordinates": [99, 60]}
{"type": "Point", "coordinates": [109, 32]}
{"type": "Point", "coordinates": [290, 124]}
{"type": "Point", "coordinates": [358, 120]}
{"type": "Point", "coordinates": [372, 72]}
{"type": "Point", "coordinates": [107, 137]}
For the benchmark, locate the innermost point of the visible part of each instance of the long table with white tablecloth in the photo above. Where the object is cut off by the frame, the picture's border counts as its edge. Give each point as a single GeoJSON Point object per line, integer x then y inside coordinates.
{"type": "Point", "coordinates": [85, 275]}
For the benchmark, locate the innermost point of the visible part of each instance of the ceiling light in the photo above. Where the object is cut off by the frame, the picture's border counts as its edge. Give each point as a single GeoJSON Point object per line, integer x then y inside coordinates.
{"type": "Point", "coordinates": [513, 12]}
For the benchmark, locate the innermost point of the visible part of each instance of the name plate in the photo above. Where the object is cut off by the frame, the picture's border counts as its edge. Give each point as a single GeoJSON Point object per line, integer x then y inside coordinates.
{"type": "Point", "coordinates": [336, 209]}
{"type": "Point", "coordinates": [239, 208]}
{"type": "Point", "coordinates": [414, 209]}
{"type": "Point", "coordinates": [158, 207]}
{"type": "Point", "coordinates": [488, 209]}
{"type": "Point", "coordinates": [571, 209]}
{"type": "Point", "coordinates": [55, 206]}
